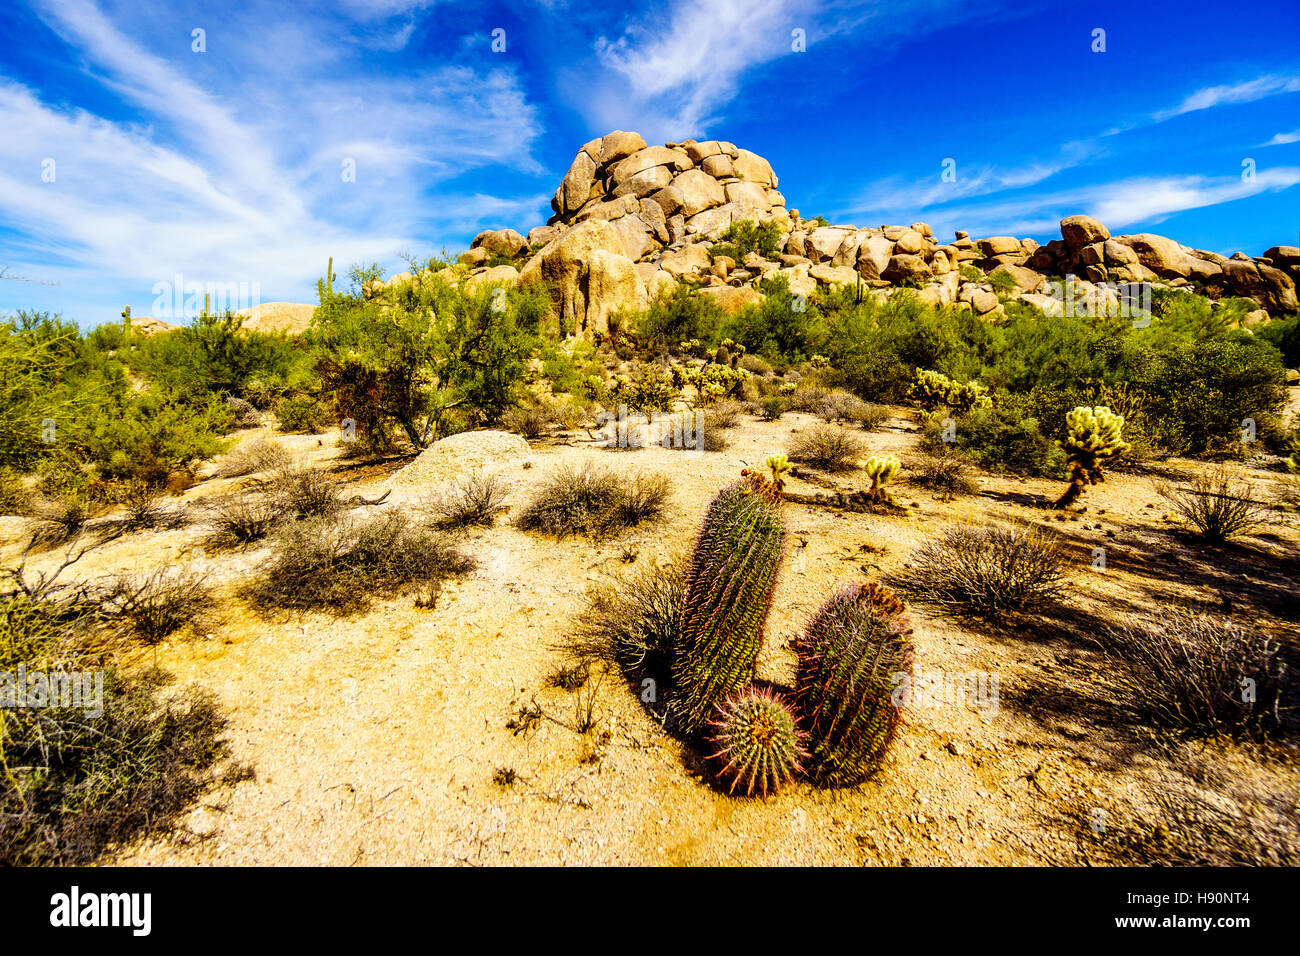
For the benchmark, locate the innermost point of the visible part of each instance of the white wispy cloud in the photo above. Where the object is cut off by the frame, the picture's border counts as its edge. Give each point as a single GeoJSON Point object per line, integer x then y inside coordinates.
{"type": "Point", "coordinates": [1282, 139]}
{"type": "Point", "coordinates": [897, 196]}
{"type": "Point", "coordinates": [1247, 91]}
{"type": "Point", "coordinates": [1118, 204]}
{"type": "Point", "coordinates": [241, 180]}
{"type": "Point", "coordinates": [677, 69]}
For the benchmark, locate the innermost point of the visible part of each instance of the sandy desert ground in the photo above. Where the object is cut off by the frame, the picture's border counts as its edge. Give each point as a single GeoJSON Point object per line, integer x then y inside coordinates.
{"type": "Point", "coordinates": [377, 739]}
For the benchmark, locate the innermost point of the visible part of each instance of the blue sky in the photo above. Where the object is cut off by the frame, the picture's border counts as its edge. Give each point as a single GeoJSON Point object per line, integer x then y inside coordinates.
{"type": "Point", "coordinates": [226, 165]}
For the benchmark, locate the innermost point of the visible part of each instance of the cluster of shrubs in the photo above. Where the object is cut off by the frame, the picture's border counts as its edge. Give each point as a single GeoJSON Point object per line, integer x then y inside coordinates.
{"type": "Point", "coordinates": [1184, 385]}
{"type": "Point", "coordinates": [80, 779]}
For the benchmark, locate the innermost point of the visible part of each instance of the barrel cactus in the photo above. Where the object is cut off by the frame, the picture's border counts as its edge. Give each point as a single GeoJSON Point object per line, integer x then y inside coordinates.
{"type": "Point", "coordinates": [729, 583]}
{"type": "Point", "coordinates": [1092, 436]}
{"type": "Point", "coordinates": [881, 471]}
{"type": "Point", "coordinates": [756, 744]}
{"type": "Point", "coordinates": [850, 660]}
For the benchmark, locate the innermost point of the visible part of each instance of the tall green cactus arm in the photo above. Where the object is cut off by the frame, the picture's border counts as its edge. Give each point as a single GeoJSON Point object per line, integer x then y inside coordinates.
{"type": "Point", "coordinates": [729, 584]}
{"type": "Point", "coordinates": [849, 659]}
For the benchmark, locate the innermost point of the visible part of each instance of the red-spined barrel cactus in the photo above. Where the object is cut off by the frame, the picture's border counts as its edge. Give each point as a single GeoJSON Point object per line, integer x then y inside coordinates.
{"type": "Point", "coordinates": [729, 585]}
{"type": "Point", "coordinates": [845, 682]}
{"type": "Point", "coordinates": [757, 747]}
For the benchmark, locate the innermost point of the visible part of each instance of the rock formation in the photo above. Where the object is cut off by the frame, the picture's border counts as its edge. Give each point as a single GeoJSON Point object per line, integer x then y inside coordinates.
{"type": "Point", "coordinates": [630, 219]}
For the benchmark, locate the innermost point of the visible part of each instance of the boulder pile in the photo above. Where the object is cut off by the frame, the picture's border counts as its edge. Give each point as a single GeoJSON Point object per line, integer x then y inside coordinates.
{"type": "Point", "coordinates": [630, 219]}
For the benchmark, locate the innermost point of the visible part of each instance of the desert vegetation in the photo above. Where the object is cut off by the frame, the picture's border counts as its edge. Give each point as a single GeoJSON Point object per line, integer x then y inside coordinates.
{"type": "Point", "coordinates": [463, 509]}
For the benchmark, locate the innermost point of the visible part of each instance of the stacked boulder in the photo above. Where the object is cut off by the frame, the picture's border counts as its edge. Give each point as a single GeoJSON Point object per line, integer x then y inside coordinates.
{"type": "Point", "coordinates": [631, 219]}
{"type": "Point", "coordinates": [657, 196]}
{"type": "Point", "coordinates": [1086, 248]}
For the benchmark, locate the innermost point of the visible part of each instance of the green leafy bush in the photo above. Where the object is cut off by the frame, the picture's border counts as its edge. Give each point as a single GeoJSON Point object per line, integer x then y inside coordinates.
{"type": "Point", "coordinates": [405, 360]}
{"type": "Point", "coordinates": [745, 236]}
{"type": "Point", "coordinates": [302, 413]}
{"type": "Point", "coordinates": [679, 315]}
{"type": "Point", "coordinates": [999, 438]}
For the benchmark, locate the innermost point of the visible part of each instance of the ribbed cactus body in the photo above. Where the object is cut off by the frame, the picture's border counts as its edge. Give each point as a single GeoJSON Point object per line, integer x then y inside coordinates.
{"type": "Point", "coordinates": [729, 585]}
{"type": "Point", "coordinates": [757, 747]}
{"type": "Point", "coordinates": [845, 682]}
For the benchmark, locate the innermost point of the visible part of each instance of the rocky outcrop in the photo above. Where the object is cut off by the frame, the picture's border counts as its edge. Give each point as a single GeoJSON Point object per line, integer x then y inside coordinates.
{"type": "Point", "coordinates": [588, 275]}
{"type": "Point", "coordinates": [658, 195]}
{"type": "Point", "coordinates": [633, 219]}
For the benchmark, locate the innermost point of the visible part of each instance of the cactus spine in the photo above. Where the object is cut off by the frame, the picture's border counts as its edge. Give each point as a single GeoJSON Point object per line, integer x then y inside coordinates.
{"type": "Point", "coordinates": [1092, 436]}
{"type": "Point", "coordinates": [729, 586]}
{"type": "Point", "coordinates": [845, 682]}
{"type": "Point", "coordinates": [881, 471]}
{"type": "Point", "coordinates": [933, 389]}
{"type": "Point", "coordinates": [757, 744]}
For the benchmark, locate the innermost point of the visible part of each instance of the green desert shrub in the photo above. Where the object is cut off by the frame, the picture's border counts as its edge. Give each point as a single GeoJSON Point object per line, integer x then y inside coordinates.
{"type": "Point", "coordinates": [679, 315]}
{"type": "Point", "coordinates": [1198, 394]}
{"type": "Point", "coordinates": [302, 413]}
{"type": "Point", "coordinates": [988, 569]}
{"type": "Point", "coordinates": [772, 408]}
{"type": "Point", "coordinates": [343, 565]}
{"type": "Point", "coordinates": [386, 365]}
{"type": "Point", "coordinates": [77, 783]}
{"type": "Point", "coordinates": [999, 438]}
{"type": "Point", "coordinates": [828, 448]}
{"type": "Point", "coordinates": [593, 501]}
{"type": "Point", "coordinates": [745, 236]}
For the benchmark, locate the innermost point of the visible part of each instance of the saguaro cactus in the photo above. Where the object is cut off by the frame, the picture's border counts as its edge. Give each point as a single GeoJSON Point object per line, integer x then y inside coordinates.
{"type": "Point", "coordinates": [757, 745]}
{"type": "Point", "coordinates": [850, 657]}
{"type": "Point", "coordinates": [729, 584]}
{"type": "Point", "coordinates": [1092, 436]}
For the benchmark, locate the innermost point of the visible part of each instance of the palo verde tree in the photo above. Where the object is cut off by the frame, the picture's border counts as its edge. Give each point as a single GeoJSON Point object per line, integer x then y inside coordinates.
{"type": "Point", "coordinates": [400, 360]}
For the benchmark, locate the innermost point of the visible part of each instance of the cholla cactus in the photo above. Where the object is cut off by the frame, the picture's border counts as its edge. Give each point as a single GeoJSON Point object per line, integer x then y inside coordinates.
{"type": "Point", "coordinates": [819, 361]}
{"type": "Point", "coordinates": [779, 466]}
{"type": "Point", "coordinates": [1293, 463]}
{"type": "Point", "coordinates": [933, 389]}
{"type": "Point", "coordinates": [1092, 436]}
{"type": "Point", "coordinates": [757, 745]}
{"type": "Point", "coordinates": [713, 382]}
{"type": "Point", "coordinates": [881, 471]}
{"type": "Point", "coordinates": [652, 390]}
{"type": "Point", "coordinates": [786, 388]}
{"type": "Point", "coordinates": [692, 347]}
